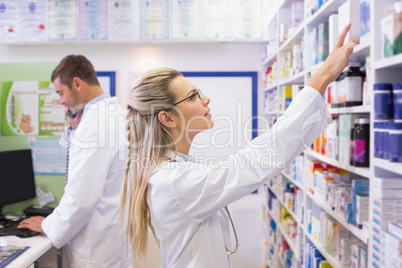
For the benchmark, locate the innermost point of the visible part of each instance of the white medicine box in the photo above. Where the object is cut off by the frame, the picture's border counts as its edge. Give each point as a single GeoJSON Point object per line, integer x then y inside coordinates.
{"type": "Point", "coordinates": [349, 12]}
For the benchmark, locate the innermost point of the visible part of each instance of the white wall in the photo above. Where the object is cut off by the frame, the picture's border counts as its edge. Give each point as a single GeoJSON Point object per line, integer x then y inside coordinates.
{"type": "Point", "coordinates": [130, 60]}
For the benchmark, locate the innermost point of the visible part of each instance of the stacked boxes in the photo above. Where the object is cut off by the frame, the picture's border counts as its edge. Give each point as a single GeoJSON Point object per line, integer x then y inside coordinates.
{"type": "Point", "coordinates": [387, 208]}
{"type": "Point", "coordinates": [391, 249]}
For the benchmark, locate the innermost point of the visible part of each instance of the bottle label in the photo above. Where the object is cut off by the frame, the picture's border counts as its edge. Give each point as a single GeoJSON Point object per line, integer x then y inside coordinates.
{"type": "Point", "coordinates": [360, 151]}
{"type": "Point", "coordinates": [354, 88]}
{"type": "Point", "coordinates": [352, 150]}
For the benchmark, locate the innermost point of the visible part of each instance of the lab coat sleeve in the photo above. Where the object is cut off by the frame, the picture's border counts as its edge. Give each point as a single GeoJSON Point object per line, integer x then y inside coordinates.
{"type": "Point", "coordinates": [88, 169]}
{"type": "Point", "coordinates": [201, 189]}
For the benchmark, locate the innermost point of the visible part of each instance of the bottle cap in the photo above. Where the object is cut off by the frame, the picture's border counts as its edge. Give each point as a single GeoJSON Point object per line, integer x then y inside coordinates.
{"type": "Point", "coordinates": [364, 121]}
{"type": "Point", "coordinates": [378, 125]}
{"type": "Point", "coordinates": [396, 126]}
{"type": "Point", "coordinates": [383, 86]}
{"type": "Point", "coordinates": [396, 86]}
{"type": "Point", "coordinates": [354, 64]}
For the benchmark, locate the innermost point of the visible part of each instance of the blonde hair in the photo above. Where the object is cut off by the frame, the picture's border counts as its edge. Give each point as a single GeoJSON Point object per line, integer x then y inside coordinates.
{"type": "Point", "coordinates": [149, 143]}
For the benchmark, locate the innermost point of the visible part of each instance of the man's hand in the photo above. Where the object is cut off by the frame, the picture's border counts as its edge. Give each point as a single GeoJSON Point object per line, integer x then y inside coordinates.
{"type": "Point", "coordinates": [32, 223]}
{"type": "Point", "coordinates": [74, 122]}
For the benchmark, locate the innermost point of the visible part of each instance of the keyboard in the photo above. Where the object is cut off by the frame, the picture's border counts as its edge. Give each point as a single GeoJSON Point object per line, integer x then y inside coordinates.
{"type": "Point", "coordinates": [10, 228]}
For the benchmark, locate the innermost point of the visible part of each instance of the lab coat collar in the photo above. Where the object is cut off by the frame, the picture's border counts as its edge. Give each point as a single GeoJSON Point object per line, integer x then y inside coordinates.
{"type": "Point", "coordinates": [95, 100]}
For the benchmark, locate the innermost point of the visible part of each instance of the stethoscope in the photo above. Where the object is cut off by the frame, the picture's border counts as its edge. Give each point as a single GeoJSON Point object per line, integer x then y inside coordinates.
{"type": "Point", "coordinates": [228, 252]}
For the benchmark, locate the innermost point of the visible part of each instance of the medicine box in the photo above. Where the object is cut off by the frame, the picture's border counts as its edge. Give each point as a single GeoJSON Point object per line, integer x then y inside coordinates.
{"type": "Point", "coordinates": [333, 31]}
{"type": "Point", "coordinates": [349, 12]}
{"type": "Point", "coordinates": [387, 183]}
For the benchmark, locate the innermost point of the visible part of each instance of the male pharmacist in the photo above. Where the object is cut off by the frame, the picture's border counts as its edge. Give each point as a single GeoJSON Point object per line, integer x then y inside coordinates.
{"type": "Point", "coordinates": [87, 221]}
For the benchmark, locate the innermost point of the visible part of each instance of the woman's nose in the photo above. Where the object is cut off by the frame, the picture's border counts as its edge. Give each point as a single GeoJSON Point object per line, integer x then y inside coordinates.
{"type": "Point", "coordinates": [206, 99]}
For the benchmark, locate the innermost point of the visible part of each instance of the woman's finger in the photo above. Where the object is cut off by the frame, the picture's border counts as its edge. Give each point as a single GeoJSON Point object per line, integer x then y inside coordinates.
{"type": "Point", "coordinates": [341, 38]}
{"type": "Point", "coordinates": [350, 45]}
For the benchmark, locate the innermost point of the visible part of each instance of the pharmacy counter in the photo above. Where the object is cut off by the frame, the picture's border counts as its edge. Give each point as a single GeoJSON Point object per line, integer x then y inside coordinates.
{"type": "Point", "coordinates": [39, 245]}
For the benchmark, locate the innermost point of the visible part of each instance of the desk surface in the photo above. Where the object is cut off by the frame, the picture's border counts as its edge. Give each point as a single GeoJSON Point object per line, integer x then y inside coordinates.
{"type": "Point", "coordinates": [39, 245]}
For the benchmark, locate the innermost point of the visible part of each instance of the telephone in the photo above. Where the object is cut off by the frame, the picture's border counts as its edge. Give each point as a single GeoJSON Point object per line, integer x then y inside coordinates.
{"type": "Point", "coordinates": [36, 210]}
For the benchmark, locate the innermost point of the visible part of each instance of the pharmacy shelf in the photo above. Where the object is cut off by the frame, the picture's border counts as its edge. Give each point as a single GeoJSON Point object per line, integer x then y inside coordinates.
{"type": "Point", "coordinates": [298, 184]}
{"type": "Point", "coordinates": [390, 62]}
{"type": "Point", "coordinates": [281, 261]}
{"type": "Point", "coordinates": [286, 236]}
{"type": "Point", "coordinates": [273, 190]}
{"type": "Point", "coordinates": [389, 166]}
{"type": "Point", "coordinates": [264, 227]}
{"type": "Point", "coordinates": [271, 213]}
{"type": "Point", "coordinates": [322, 158]}
{"type": "Point", "coordinates": [296, 79]}
{"type": "Point", "coordinates": [273, 86]}
{"type": "Point", "coordinates": [362, 49]}
{"type": "Point", "coordinates": [270, 59]}
{"type": "Point", "coordinates": [291, 244]}
{"type": "Point", "coordinates": [334, 262]}
{"type": "Point", "coordinates": [272, 18]}
{"type": "Point", "coordinates": [294, 216]}
{"type": "Point", "coordinates": [359, 233]}
{"type": "Point", "coordinates": [351, 110]}
{"type": "Point", "coordinates": [293, 40]}
{"type": "Point", "coordinates": [362, 171]}
{"type": "Point", "coordinates": [324, 12]}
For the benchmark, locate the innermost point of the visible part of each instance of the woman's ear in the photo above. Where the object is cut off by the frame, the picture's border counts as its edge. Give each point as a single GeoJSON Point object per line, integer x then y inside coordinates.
{"type": "Point", "coordinates": [166, 119]}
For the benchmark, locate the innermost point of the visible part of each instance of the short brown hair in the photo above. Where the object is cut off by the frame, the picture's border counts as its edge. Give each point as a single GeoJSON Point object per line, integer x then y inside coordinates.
{"type": "Point", "coordinates": [75, 66]}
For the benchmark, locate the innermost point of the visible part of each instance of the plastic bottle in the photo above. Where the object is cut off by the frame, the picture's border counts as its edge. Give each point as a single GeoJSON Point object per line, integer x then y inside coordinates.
{"type": "Point", "coordinates": [385, 140]}
{"type": "Point", "coordinates": [341, 89]}
{"type": "Point", "coordinates": [382, 101]}
{"type": "Point", "coordinates": [353, 83]}
{"type": "Point", "coordinates": [397, 98]}
{"type": "Point", "coordinates": [395, 142]}
{"type": "Point", "coordinates": [297, 59]}
{"type": "Point", "coordinates": [335, 92]}
{"type": "Point", "coordinates": [378, 148]}
{"type": "Point", "coordinates": [362, 143]}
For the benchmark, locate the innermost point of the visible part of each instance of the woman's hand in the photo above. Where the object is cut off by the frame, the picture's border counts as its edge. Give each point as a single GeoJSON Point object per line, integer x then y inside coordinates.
{"type": "Point", "coordinates": [333, 66]}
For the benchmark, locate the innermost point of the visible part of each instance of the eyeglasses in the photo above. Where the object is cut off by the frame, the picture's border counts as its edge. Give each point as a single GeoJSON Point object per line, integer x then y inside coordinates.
{"type": "Point", "coordinates": [229, 252]}
{"type": "Point", "coordinates": [199, 93]}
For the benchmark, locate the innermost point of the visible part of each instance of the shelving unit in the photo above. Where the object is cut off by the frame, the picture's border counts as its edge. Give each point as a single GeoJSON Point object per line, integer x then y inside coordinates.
{"type": "Point", "coordinates": [386, 70]}
{"type": "Point", "coordinates": [386, 165]}
{"type": "Point", "coordinates": [353, 229]}
{"type": "Point", "coordinates": [328, 257]}
{"type": "Point", "coordinates": [289, 241]}
{"type": "Point", "coordinates": [296, 79]}
{"type": "Point", "coordinates": [365, 172]}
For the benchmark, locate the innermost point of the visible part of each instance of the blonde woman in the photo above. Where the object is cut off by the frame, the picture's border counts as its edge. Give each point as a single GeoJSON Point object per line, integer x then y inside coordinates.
{"type": "Point", "coordinates": [184, 202]}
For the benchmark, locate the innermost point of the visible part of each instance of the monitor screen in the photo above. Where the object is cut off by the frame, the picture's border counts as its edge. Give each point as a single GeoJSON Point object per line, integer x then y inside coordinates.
{"type": "Point", "coordinates": [17, 182]}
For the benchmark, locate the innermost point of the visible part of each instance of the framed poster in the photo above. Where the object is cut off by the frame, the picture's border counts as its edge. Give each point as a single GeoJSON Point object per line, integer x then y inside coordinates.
{"type": "Point", "coordinates": [107, 82]}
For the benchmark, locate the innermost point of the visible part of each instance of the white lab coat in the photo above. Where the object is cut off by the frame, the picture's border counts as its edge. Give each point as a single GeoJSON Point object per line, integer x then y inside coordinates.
{"type": "Point", "coordinates": [87, 222]}
{"type": "Point", "coordinates": [187, 199]}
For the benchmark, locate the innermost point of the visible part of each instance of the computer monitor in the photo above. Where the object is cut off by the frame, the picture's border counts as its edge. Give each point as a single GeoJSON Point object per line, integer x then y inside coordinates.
{"type": "Point", "coordinates": [17, 182]}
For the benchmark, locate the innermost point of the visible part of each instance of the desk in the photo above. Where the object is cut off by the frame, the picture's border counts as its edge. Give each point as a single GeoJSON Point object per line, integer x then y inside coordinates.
{"type": "Point", "coordinates": [39, 245]}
